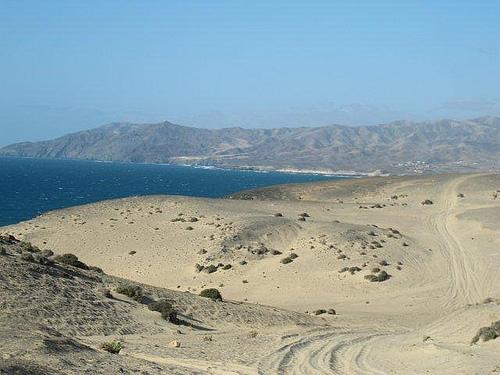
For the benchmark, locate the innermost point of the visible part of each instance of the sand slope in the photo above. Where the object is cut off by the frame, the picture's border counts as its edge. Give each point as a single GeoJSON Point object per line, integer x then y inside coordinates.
{"type": "Point", "coordinates": [442, 258]}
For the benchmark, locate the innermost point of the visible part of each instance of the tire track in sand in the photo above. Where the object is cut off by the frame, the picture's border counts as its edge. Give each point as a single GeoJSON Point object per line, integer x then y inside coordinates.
{"type": "Point", "coordinates": [335, 352]}
{"type": "Point", "coordinates": [464, 283]}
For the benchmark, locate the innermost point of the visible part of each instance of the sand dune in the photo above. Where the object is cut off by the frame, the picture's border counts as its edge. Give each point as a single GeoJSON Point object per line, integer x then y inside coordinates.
{"type": "Point", "coordinates": [300, 248]}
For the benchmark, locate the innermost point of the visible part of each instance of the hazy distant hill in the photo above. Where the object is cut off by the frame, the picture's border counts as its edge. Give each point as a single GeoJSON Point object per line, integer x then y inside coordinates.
{"type": "Point", "coordinates": [398, 147]}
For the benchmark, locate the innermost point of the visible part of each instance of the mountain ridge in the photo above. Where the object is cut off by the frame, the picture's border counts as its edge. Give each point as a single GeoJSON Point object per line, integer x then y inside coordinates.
{"type": "Point", "coordinates": [399, 147]}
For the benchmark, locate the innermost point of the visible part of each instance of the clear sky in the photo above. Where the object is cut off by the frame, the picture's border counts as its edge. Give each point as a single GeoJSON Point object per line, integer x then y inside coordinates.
{"type": "Point", "coordinates": [70, 65]}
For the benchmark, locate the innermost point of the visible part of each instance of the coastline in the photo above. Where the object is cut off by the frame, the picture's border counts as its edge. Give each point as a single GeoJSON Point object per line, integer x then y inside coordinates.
{"type": "Point", "coordinates": [250, 168]}
{"type": "Point", "coordinates": [48, 184]}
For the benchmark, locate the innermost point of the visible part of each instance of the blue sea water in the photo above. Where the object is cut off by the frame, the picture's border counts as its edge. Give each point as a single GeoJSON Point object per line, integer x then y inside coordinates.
{"type": "Point", "coordinates": [29, 187]}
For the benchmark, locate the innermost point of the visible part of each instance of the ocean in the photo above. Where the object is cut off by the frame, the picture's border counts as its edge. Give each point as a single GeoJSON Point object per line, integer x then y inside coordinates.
{"type": "Point", "coordinates": [29, 187]}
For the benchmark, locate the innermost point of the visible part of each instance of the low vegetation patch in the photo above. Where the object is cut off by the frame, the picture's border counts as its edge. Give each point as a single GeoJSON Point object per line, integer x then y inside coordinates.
{"type": "Point", "coordinates": [371, 277]}
{"type": "Point", "coordinates": [211, 293]}
{"type": "Point", "coordinates": [71, 260]}
{"type": "Point", "coordinates": [210, 269]}
{"type": "Point", "coordinates": [354, 269]}
{"type": "Point", "coordinates": [252, 334]}
{"type": "Point", "coordinates": [27, 246]}
{"type": "Point", "coordinates": [132, 291]}
{"type": "Point", "coordinates": [382, 276]}
{"type": "Point", "coordinates": [166, 310]}
{"type": "Point", "coordinates": [427, 202]}
{"type": "Point", "coordinates": [112, 347]}
{"type": "Point", "coordinates": [487, 333]}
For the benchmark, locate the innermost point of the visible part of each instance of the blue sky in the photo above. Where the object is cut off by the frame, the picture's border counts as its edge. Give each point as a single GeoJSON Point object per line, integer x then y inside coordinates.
{"type": "Point", "coordinates": [70, 65]}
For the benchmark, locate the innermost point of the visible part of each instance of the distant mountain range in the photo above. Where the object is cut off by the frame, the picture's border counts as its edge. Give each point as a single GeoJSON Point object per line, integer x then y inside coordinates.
{"type": "Point", "coordinates": [398, 148]}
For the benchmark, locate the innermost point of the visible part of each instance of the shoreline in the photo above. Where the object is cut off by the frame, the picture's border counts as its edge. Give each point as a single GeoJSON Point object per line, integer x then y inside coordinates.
{"type": "Point", "coordinates": [171, 179]}
{"type": "Point", "coordinates": [242, 168]}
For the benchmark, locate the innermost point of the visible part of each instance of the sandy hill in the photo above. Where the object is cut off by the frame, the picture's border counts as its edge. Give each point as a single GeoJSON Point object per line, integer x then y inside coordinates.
{"type": "Point", "coordinates": [398, 147]}
{"type": "Point", "coordinates": [409, 264]}
{"type": "Point", "coordinates": [55, 317]}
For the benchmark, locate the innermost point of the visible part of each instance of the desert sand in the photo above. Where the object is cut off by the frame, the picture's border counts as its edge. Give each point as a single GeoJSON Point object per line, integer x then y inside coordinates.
{"type": "Point", "coordinates": [279, 256]}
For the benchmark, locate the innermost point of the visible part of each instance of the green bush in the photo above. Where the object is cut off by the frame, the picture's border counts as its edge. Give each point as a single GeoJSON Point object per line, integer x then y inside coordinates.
{"type": "Point", "coordinates": [166, 310]}
{"type": "Point", "coordinates": [132, 291]}
{"type": "Point", "coordinates": [354, 269]}
{"type": "Point", "coordinates": [382, 276]}
{"type": "Point", "coordinates": [71, 260]}
{"type": "Point", "coordinates": [211, 293]}
{"type": "Point", "coordinates": [286, 260]}
{"type": "Point", "coordinates": [371, 278]}
{"type": "Point", "coordinates": [113, 347]}
{"type": "Point", "coordinates": [210, 269]}
{"type": "Point", "coordinates": [320, 312]}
